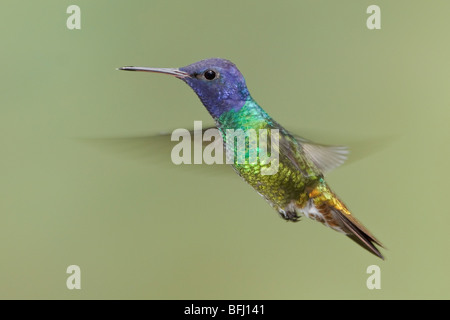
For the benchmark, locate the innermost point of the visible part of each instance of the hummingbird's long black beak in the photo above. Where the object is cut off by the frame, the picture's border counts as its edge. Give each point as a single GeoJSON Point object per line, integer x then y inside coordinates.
{"type": "Point", "coordinates": [171, 71]}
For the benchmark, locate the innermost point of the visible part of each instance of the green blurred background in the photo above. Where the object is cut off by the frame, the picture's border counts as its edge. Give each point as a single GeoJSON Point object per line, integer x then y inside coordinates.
{"type": "Point", "coordinates": [151, 230]}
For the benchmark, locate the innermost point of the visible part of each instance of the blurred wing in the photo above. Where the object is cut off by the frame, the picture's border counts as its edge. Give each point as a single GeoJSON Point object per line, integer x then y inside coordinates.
{"type": "Point", "coordinates": [155, 149]}
{"type": "Point", "coordinates": [158, 147]}
{"type": "Point", "coordinates": [361, 146]}
{"type": "Point", "coordinates": [326, 158]}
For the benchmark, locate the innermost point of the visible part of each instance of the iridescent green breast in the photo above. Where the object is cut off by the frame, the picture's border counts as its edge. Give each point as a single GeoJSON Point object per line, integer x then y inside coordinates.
{"type": "Point", "coordinates": [293, 173]}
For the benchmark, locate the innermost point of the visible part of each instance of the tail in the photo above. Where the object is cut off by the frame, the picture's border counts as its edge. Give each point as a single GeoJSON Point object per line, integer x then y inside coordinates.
{"type": "Point", "coordinates": [324, 206]}
{"type": "Point", "coordinates": [358, 233]}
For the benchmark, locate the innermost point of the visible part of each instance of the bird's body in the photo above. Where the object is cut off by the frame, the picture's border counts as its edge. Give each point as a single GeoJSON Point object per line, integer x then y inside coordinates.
{"type": "Point", "coordinates": [289, 182]}
{"type": "Point", "coordinates": [298, 187]}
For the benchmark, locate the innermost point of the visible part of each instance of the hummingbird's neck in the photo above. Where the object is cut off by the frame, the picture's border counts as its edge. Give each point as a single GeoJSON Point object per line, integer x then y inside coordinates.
{"type": "Point", "coordinates": [219, 107]}
{"type": "Point", "coordinates": [249, 115]}
{"type": "Point", "coordinates": [230, 97]}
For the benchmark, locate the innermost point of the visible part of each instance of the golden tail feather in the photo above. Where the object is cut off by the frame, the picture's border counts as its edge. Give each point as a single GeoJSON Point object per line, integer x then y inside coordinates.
{"type": "Point", "coordinates": [324, 206]}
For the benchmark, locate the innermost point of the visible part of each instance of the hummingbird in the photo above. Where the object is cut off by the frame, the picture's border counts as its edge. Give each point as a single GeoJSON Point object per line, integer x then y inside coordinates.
{"type": "Point", "coordinates": [298, 188]}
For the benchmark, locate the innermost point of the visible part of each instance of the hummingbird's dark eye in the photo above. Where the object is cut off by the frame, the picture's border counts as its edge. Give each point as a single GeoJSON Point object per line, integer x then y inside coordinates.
{"type": "Point", "coordinates": [209, 74]}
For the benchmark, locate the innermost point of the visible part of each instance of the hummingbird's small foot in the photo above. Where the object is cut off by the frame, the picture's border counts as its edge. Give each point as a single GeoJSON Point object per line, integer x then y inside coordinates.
{"type": "Point", "coordinates": [290, 216]}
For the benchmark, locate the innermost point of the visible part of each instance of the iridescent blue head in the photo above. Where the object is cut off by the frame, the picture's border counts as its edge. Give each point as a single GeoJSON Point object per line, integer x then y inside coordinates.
{"type": "Point", "coordinates": [217, 82]}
